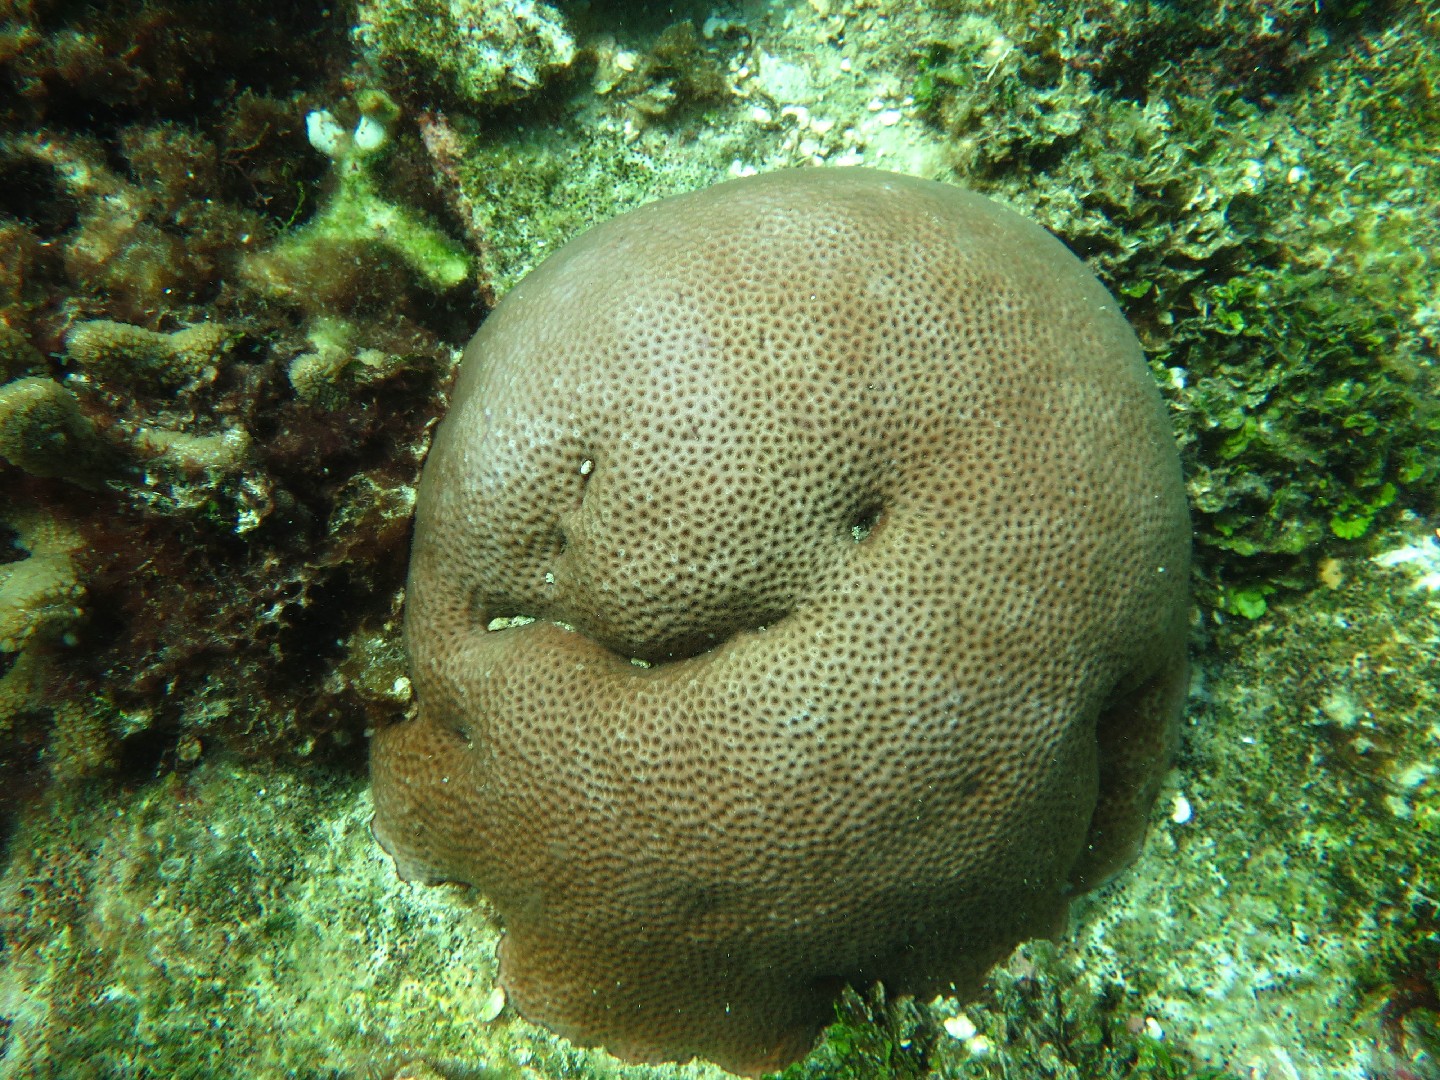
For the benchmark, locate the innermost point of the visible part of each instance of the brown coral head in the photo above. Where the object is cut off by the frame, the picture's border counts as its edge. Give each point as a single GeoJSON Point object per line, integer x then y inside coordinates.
{"type": "Point", "coordinates": [855, 545]}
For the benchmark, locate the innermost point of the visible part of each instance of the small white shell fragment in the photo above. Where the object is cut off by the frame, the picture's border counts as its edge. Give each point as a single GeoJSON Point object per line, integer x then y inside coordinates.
{"type": "Point", "coordinates": [370, 134]}
{"type": "Point", "coordinates": [1153, 1028]}
{"type": "Point", "coordinates": [325, 133]}
{"type": "Point", "coordinates": [586, 466]}
{"type": "Point", "coordinates": [760, 114]}
{"type": "Point", "coordinates": [1180, 809]}
{"type": "Point", "coordinates": [492, 1006]}
{"type": "Point", "coordinates": [960, 1027]}
{"type": "Point", "coordinates": [889, 117]}
{"type": "Point", "coordinates": [979, 1046]}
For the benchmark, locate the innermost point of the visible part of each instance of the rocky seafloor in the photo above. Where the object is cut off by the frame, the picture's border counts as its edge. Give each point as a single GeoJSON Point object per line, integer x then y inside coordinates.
{"type": "Point", "coordinates": [241, 250]}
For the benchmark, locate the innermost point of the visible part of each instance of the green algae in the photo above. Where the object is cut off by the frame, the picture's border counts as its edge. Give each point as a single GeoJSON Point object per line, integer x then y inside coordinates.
{"type": "Point", "coordinates": [534, 189]}
{"type": "Point", "coordinates": [1255, 234]}
{"type": "Point", "coordinates": [251, 892]}
{"type": "Point", "coordinates": [357, 213]}
{"type": "Point", "coordinates": [871, 1038]}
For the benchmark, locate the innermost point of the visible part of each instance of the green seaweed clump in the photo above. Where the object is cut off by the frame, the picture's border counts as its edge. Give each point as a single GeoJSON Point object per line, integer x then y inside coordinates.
{"type": "Point", "coordinates": [871, 1039]}
{"type": "Point", "coordinates": [204, 927]}
{"type": "Point", "coordinates": [1271, 231]}
{"type": "Point", "coordinates": [1038, 1015]}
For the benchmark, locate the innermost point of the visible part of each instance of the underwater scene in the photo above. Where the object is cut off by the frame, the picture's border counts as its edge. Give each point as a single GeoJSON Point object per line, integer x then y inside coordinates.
{"type": "Point", "coordinates": [927, 563]}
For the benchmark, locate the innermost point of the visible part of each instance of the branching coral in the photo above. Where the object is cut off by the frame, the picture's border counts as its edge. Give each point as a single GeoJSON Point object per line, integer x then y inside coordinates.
{"type": "Point", "coordinates": [242, 533]}
{"type": "Point", "coordinates": [42, 608]}
{"type": "Point", "coordinates": [43, 431]}
{"type": "Point", "coordinates": [40, 595]}
{"type": "Point", "coordinates": [143, 245]}
{"type": "Point", "coordinates": [233, 453]}
{"type": "Point", "coordinates": [121, 353]}
{"type": "Point", "coordinates": [17, 355]}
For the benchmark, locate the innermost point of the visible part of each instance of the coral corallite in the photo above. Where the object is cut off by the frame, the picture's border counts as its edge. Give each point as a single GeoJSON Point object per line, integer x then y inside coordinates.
{"type": "Point", "coordinates": [855, 545]}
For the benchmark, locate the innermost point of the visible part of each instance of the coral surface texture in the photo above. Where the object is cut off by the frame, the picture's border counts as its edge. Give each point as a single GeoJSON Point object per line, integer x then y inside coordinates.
{"type": "Point", "coordinates": [799, 597]}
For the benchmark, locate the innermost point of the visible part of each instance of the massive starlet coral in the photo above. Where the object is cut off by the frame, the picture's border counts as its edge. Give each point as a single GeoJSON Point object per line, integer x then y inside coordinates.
{"type": "Point", "coordinates": [799, 597]}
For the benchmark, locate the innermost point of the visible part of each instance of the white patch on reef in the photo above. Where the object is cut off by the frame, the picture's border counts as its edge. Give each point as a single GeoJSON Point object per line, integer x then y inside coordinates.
{"type": "Point", "coordinates": [1180, 809]}
{"type": "Point", "coordinates": [370, 134]}
{"type": "Point", "coordinates": [325, 133]}
{"type": "Point", "coordinates": [960, 1027]}
{"type": "Point", "coordinates": [1423, 556]}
